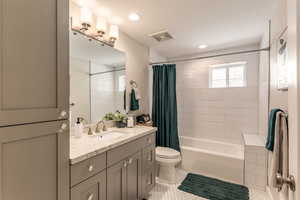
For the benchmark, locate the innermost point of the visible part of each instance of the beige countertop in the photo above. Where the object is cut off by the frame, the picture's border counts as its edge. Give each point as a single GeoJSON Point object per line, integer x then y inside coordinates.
{"type": "Point", "coordinates": [88, 146]}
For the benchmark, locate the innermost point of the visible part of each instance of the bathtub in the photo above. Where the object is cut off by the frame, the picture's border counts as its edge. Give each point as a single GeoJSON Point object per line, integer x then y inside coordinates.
{"type": "Point", "coordinates": [212, 158]}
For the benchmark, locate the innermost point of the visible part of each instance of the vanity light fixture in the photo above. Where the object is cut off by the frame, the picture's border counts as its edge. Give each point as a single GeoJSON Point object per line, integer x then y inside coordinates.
{"type": "Point", "coordinates": [101, 26]}
{"type": "Point", "coordinates": [99, 32]}
{"type": "Point", "coordinates": [85, 18]}
{"type": "Point", "coordinates": [113, 33]}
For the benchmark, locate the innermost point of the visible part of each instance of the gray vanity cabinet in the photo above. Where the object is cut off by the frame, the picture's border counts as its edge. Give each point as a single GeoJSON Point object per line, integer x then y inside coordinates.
{"type": "Point", "coordinates": [34, 162]}
{"type": "Point", "coordinates": [92, 189]}
{"type": "Point", "coordinates": [116, 181]}
{"type": "Point", "coordinates": [34, 69]}
{"type": "Point", "coordinates": [130, 172]}
{"type": "Point", "coordinates": [124, 179]}
{"type": "Point", "coordinates": [148, 169]}
{"type": "Point", "coordinates": [133, 177]}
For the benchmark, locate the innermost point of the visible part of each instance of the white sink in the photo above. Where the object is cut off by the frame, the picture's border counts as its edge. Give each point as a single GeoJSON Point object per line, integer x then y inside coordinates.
{"type": "Point", "coordinates": [109, 135]}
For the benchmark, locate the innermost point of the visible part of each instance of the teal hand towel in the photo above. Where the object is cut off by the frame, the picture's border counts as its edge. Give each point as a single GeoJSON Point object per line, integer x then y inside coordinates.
{"type": "Point", "coordinates": [271, 129]}
{"type": "Point", "coordinates": [134, 103]}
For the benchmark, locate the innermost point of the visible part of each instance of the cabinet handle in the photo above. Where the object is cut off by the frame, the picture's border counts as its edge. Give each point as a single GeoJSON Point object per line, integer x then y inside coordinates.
{"type": "Point", "coordinates": [91, 168]}
{"type": "Point", "coordinates": [91, 196]}
{"type": "Point", "coordinates": [149, 181]}
{"type": "Point", "coordinates": [130, 161]}
{"type": "Point", "coordinates": [125, 164]}
{"type": "Point", "coordinates": [149, 156]}
{"type": "Point", "coordinates": [62, 114]}
{"type": "Point", "coordinates": [149, 140]}
{"type": "Point", "coordinates": [63, 127]}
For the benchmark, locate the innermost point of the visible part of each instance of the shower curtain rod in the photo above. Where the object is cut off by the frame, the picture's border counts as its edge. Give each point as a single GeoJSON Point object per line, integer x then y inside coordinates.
{"type": "Point", "coordinates": [115, 70]}
{"type": "Point", "coordinates": [212, 56]}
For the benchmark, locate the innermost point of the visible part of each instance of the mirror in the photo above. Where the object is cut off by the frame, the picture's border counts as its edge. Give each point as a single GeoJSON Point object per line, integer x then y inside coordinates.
{"type": "Point", "coordinates": [97, 76]}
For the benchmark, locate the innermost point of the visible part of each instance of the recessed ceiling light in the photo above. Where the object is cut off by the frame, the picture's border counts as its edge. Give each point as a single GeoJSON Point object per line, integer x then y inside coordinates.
{"type": "Point", "coordinates": [203, 46]}
{"type": "Point", "coordinates": [134, 17]}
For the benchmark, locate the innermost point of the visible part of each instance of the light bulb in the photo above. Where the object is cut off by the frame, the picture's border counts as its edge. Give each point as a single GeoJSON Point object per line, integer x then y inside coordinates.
{"type": "Point", "coordinates": [114, 32]}
{"type": "Point", "coordinates": [86, 16]}
{"type": "Point", "coordinates": [101, 25]}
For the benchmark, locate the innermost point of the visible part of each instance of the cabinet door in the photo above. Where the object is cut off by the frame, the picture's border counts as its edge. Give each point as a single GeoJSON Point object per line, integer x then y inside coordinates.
{"type": "Point", "coordinates": [34, 162]}
{"type": "Point", "coordinates": [149, 158]}
{"type": "Point", "coordinates": [134, 169]}
{"type": "Point", "coordinates": [116, 181]}
{"type": "Point", "coordinates": [92, 189]}
{"type": "Point", "coordinates": [34, 66]}
{"type": "Point", "coordinates": [148, 182]}
{"type": "Point", "coordinates": [148, 170]}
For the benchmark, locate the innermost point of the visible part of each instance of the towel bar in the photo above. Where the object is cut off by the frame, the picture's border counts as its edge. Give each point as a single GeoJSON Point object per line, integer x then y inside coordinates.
{"type": "Point", "coordinates": [290, 181]}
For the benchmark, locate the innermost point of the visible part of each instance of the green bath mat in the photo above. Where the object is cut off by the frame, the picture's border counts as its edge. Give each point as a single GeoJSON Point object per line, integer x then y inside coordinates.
{"type": "Point", "coordinates": [213, 189]}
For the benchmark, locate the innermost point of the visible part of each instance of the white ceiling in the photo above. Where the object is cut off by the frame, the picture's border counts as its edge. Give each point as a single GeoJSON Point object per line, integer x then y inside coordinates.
{"type": "Point", "coordinates": [217, 23]}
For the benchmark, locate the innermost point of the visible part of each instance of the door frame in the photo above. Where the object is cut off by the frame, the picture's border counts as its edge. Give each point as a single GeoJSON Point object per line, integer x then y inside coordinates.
{"type": "Point", "coordinates": [293, 16]}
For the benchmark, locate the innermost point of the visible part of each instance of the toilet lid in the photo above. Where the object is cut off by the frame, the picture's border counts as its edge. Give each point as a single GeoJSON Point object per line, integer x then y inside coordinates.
{"type": "Point", "coordinates": [164, 152]}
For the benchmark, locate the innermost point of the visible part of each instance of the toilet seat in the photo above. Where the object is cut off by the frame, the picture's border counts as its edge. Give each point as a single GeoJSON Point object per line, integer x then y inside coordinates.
{"type": "Point", "coordinates": [167, 153]}
{"type": "Point", "coordinates": [167, 159]}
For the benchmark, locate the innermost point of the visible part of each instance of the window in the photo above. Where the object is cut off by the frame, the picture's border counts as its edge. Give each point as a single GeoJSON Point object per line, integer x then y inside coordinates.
{"type": "Point", "coordinates": [228, 75]}
{"type": "Point", "coordinates": [218, 77]}
{"type": "Point", "coordinates": [122, 83]}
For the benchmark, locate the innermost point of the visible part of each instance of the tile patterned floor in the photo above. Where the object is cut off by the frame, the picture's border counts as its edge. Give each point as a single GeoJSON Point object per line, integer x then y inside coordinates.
{"type": "Point", "coordinates": [164, 191]}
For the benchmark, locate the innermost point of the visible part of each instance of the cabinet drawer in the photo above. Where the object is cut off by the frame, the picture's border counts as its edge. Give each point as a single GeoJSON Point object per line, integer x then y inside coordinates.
{"type": "Point", "coordinates": [92, 189]}
{"type": "Point", "coordinates": [119, 153]}
{"type": "Point", "coordinates": [148, 182]}
{"type": "Point", "coordinates": [87, 168]}
{"type": "Point", "coordinates": [148, 157]}
{"type": "Point", "coordinates": [149, 139]}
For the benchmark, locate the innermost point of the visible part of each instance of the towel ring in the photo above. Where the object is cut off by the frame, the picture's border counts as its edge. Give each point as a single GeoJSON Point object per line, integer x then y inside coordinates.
{"type": "Point", "coordinates": [285, 114]}
{"type": "Point", "coordinates": [133, 84]}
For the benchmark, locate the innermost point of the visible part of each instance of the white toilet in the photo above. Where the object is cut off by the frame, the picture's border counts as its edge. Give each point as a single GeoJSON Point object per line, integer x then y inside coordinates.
{"type": "Point", "coordinates": [167, 159]}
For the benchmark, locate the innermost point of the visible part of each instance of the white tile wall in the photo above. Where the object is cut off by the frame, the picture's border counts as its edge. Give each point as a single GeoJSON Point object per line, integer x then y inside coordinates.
{"type": "Point", "coordinates": [255, 162]}
{"type": "Point", "coordinates": [102, 95]}
{"type": "Point", "coordinates": [79, 89]}
{"type": "Point", "coordinates": [255, 167]}
{"type": "Point", "coordinates": [219, 114]}
{"type": "Point", "coordinates": [105, 96]}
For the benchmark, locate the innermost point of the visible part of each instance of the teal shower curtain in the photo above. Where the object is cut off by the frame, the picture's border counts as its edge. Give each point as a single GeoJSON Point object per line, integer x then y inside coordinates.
{"type": "Point", "coordinates": [164, 109]}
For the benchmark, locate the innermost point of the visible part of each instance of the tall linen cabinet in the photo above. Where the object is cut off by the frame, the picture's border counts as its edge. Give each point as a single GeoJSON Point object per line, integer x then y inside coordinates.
{"type": "Point", "coordinates": [34, 100]}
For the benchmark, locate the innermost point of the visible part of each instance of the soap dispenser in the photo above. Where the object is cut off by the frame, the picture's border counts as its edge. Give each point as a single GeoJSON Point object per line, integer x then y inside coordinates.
{"type": "Point", "coordinates": [78, 128]}
{"type": "Point", "coordinates": [130, 122]}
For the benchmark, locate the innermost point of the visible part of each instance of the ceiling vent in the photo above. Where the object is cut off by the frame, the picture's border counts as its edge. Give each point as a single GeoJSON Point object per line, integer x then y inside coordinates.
{"type": "Point", "coordinates": [161, 36]}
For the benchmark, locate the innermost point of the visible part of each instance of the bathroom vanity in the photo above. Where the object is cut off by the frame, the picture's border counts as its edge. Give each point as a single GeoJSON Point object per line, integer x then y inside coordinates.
{"type": "Point", "coordinates": [116, 165]}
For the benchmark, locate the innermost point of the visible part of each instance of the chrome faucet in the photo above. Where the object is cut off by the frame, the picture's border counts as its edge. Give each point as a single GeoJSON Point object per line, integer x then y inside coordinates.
{"type": "Point", "coordinates": [98, 130]}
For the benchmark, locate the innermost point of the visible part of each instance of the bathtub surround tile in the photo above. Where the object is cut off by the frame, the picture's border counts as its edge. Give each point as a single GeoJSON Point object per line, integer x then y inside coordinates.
{"type": "Point", "coordinates": [221, 114]}
{"type": "Point", "coordinates": [164, 191]}
{"type": "Point", "coordinates": [255, 162]}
